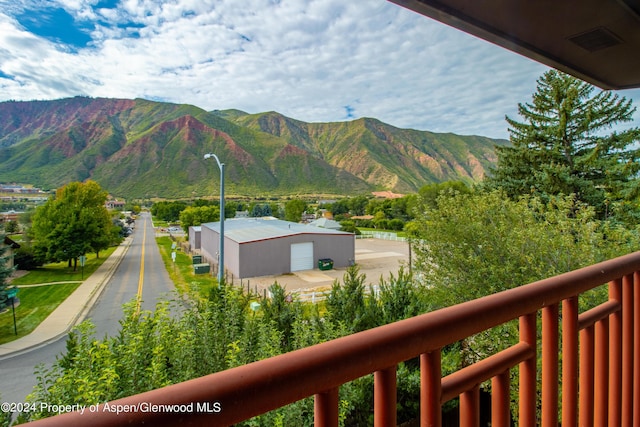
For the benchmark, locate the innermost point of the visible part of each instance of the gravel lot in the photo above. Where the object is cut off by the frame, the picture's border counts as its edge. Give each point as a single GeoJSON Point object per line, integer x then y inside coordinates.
{"type": "Point", "coordinates": [376, 258]}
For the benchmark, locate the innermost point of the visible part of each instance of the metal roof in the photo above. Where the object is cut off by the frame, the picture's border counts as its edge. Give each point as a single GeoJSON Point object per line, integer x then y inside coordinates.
{"type": "Point", "coordinates": [244, 230]}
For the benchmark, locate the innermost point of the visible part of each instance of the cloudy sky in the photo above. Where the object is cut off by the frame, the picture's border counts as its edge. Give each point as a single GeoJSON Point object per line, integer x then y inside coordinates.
{"type": "Point", "coordinates": [312, 60]}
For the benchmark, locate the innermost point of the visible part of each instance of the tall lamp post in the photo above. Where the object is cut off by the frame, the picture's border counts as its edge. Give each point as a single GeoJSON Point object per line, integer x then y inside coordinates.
{"type": "Point", "coordinates": [221, 249]}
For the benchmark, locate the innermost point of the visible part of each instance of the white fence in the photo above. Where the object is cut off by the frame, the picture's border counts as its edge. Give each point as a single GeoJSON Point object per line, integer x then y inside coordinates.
{"type": "Point", "coordinates": [307, 295]}
{"type": "Point", "coordinates": [383, 235]}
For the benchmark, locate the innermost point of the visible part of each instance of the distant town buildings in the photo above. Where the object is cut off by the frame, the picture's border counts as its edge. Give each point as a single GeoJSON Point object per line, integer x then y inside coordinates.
{"type": "Point", "coordinates": [19, 189]}
{"type": "Point", "coordinates": [17, 192]}
{"type": "Point", "coordinates": [9, 216]}
{"type": "Point", "coordinates": [115, 204]}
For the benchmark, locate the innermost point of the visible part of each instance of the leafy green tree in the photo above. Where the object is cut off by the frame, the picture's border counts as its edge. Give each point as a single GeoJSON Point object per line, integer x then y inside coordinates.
{"type": "Point", "coordinates": [198, 215]}
{"type": "Point", "coordinates": [294, 209]}
{"type": "Point", "coordinates": [168, 211]}
{"type": "Point", "coordinates": [230, 208]}
{"type": "Point", "coordinates": [565, 146]}
{"type": "Point", "coordinates": [277, 210]}
{"type": "Point", "coordinates": [340, 207]}
{"type": "Point", "coordinates": [358, 204]}
{"type": "Point", "coordinates": [475, 245]}
{"type": "Point", "coordinates": [73, 222]}
{"type": "Point", "coordinates": [349, 226]}
{"type": "Point", "coordinates": [396, 224]}
{"type": "Point", "coordinates": [428, 194]}
{"type": "Point", "coordinates": [381, 224]}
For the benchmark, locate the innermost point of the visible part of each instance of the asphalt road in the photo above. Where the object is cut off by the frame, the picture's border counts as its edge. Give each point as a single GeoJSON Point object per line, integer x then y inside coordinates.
{"type": "Point", "coordinates": [141, 270]}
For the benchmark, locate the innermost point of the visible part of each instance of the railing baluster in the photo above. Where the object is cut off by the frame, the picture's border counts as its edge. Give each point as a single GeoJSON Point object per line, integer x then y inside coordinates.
{"type": "Point", "coordinates": [528, 373]}
{"type": "Point", "coordinates": [601, 379]}
{"type": "Point", "coordinates": [615, 356]}
{"type": "Point", "coordinates": [470, 407]}
{"type": "Point", "coordinates": [500, 400]}
{"type": "Point", "coordinates": [636, 348]}
{"type": "Point", "coordinates": [587, 367]}
{"type": "Point", "coordinates": [627, 350]}
{"type": "Point", "coordinates": [550, 365]}
{"type": "Point", "coordinates": [570, 362]}
{"type": "Point", "coordinates": [326, 408]}
{"type": "Point", "coordinates": [385, 397]}
{"type": "Point", "coordinates": [430, 389]}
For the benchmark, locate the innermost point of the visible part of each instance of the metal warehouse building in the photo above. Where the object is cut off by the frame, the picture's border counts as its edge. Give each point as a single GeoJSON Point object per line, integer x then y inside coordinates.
{"type": "Point", "coordinates": [263, 246]}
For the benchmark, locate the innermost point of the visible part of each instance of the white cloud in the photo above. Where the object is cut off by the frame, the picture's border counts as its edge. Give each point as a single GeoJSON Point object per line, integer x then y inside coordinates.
{"type": "Point", "coordinates": [320, 60]}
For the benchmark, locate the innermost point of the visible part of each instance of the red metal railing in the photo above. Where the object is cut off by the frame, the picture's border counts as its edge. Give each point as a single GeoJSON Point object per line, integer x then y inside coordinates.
{"type": "Point", "coordinates": [600, 374]}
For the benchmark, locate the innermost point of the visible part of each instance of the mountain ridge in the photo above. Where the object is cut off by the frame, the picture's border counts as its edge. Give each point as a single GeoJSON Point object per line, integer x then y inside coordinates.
{"type": "Point", "coordinates": [141, 148]}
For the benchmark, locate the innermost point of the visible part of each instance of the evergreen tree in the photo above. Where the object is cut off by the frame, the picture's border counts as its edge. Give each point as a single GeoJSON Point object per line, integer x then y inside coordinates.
{"type": "Point", "coordinates": [5, 272]}
{"type": "Point", "coordinates": [565, 146]}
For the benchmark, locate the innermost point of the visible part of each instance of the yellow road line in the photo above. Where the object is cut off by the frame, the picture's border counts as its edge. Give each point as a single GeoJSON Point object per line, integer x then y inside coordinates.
{"type": "Point", "coordinates": [141, 279]}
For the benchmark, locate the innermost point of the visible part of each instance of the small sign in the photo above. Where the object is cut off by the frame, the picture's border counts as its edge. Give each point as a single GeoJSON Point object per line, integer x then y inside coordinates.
{"type": "Point", "coordinates": [173, 256]}
{"type": "Point", "coordinates": [83, 260]}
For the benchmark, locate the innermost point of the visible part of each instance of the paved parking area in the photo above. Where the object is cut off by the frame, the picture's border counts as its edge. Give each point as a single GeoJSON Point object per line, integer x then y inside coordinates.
{"type": "Point", "coordinates": [376, 258]}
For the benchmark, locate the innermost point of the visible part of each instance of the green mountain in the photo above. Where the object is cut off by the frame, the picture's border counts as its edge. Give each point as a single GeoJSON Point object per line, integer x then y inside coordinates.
{"type": "Point", "coordinates": [382, 155]}
{"type": "Point", "coordinates": [140, 148]}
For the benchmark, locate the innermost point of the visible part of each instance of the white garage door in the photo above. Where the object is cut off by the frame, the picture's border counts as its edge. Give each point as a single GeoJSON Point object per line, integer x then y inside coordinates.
{"type": "Point", "coordinates": [301, 256]}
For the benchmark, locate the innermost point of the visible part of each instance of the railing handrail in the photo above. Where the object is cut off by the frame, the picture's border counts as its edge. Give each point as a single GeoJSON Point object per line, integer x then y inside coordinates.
{"type": "Point", "coordinates": [256, 388]}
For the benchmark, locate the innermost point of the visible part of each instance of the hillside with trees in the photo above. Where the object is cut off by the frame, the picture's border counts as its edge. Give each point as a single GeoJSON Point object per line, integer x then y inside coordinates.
{"type": "Point", "coordinates": [144, 149]}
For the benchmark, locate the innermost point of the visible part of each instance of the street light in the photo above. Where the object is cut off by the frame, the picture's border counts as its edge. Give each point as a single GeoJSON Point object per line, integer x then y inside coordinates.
{"type": "Point", "coordinates": [221, 260]}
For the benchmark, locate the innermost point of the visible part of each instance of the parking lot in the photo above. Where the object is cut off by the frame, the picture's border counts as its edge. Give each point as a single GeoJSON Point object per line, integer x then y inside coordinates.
{"type": "Point", "coordinates": [376, 258]}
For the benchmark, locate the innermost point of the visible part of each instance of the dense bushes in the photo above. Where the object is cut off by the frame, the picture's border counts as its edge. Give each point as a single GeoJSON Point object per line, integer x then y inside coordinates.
{"type": "Point", "coordinates": [174, 343]}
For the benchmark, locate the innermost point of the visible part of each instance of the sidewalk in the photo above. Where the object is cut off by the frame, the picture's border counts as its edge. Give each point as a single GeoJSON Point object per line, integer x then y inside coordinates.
{"type": "Point", "coordinates": [71, 311]}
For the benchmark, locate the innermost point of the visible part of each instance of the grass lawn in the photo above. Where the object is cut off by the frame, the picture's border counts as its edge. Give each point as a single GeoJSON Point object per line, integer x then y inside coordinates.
{"type": "Point", "coordinates": [60, 271]}
{"type": "Point", "coordinates": [35, 305]}
{"type": "Point", "coordinates": [37, 302]}
{"type": "Point", "coordinates": [181, 272]}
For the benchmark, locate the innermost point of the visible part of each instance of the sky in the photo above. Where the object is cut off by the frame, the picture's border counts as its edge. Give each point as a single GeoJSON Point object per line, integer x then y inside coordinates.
{"type": "Point", "coordinates": [311, 60]}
